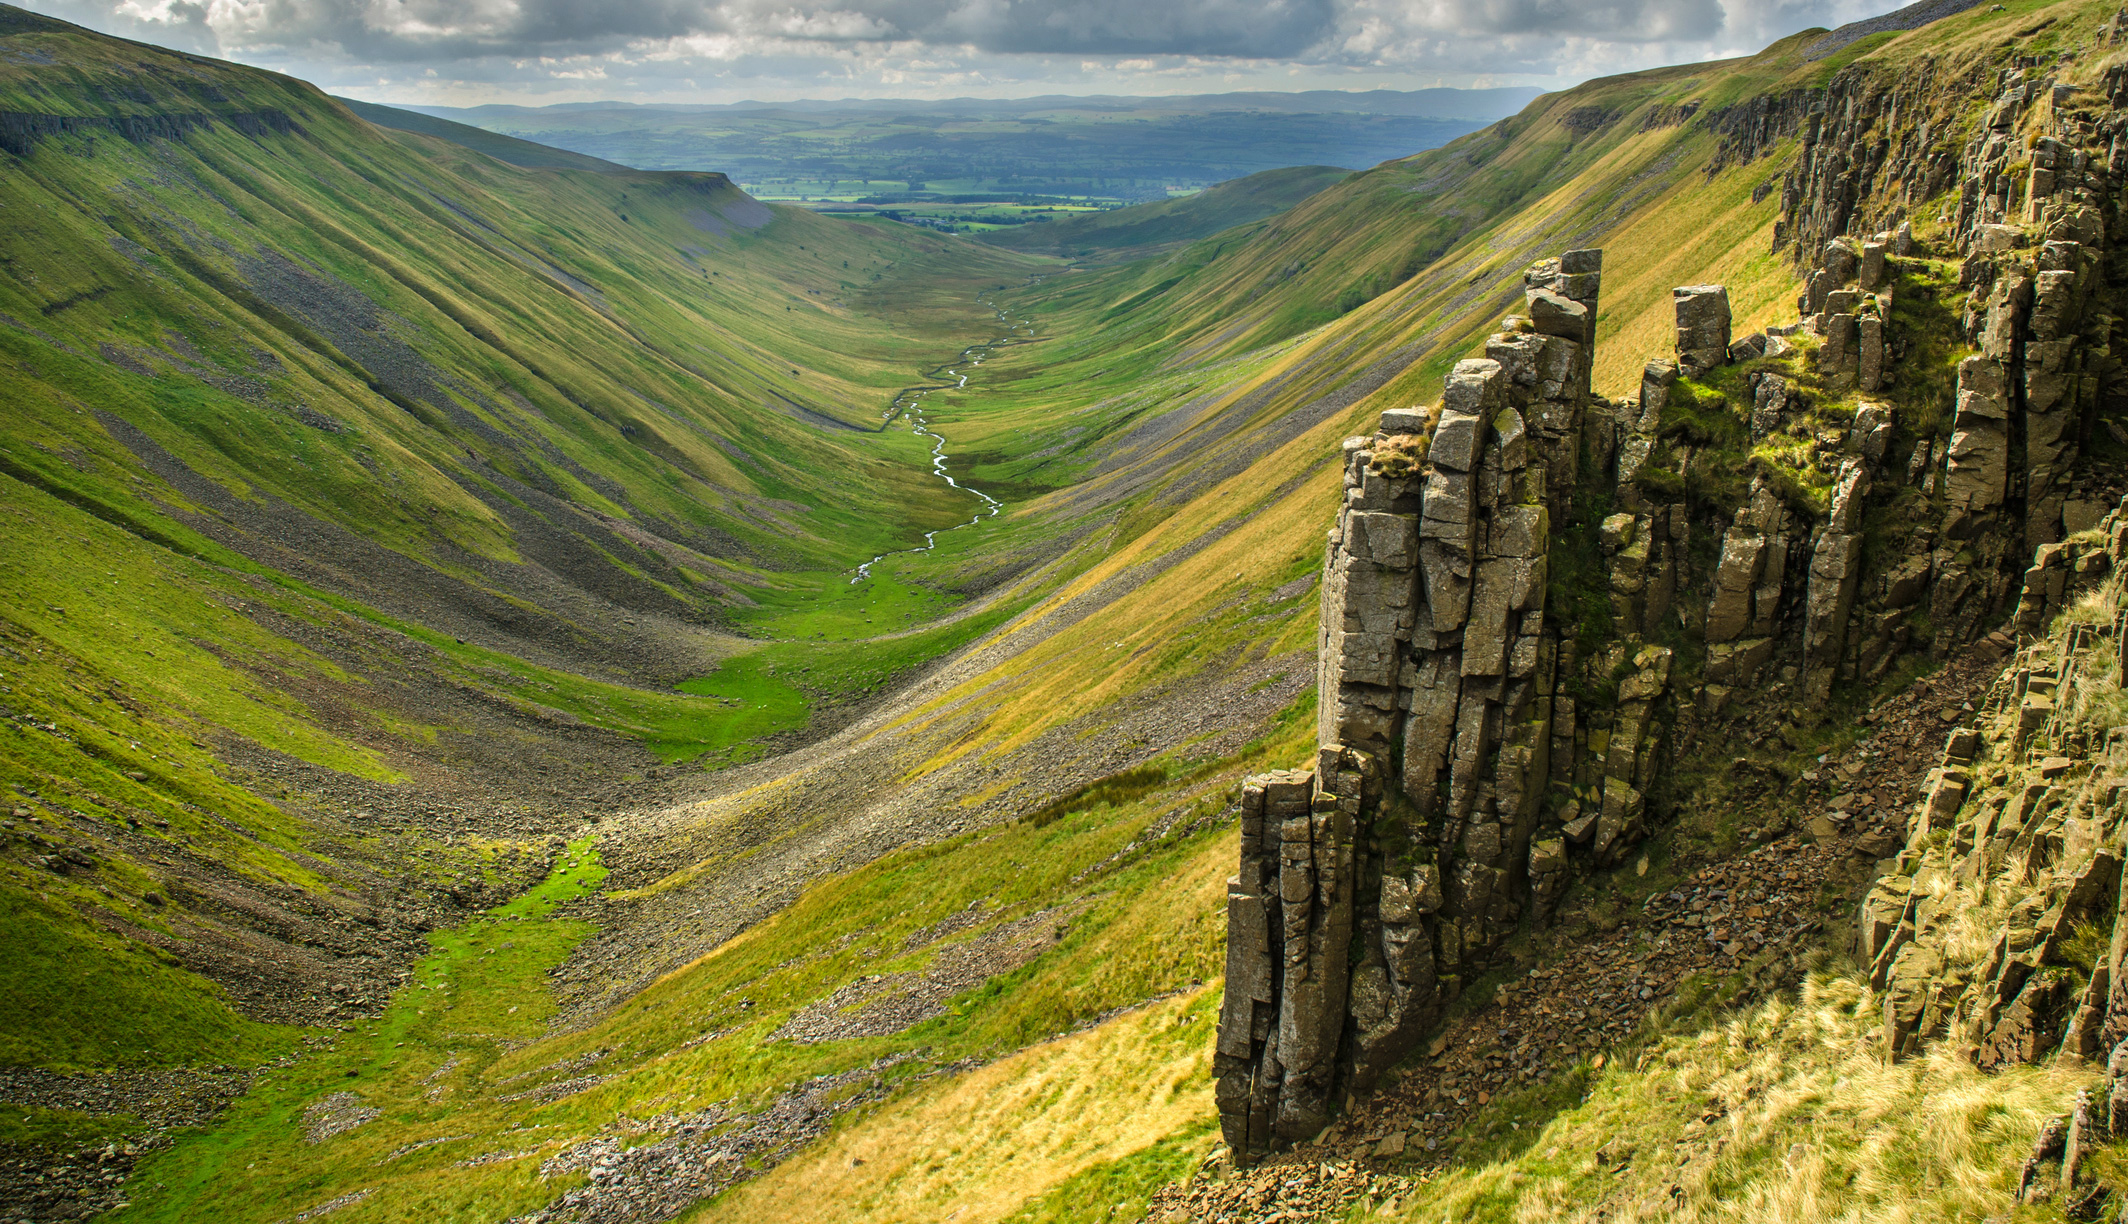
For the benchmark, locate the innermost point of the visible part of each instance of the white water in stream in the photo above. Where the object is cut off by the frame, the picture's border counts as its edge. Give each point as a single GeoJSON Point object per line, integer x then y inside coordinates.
{"type": "Point", "coordinates": [971, 356]}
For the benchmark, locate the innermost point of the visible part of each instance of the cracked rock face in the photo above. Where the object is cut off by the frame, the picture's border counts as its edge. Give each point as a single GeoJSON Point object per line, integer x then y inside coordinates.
{"type": "Point", "coordinates": [1461, 785]}
{"type": "Point", "coordinates": [1374, 886]}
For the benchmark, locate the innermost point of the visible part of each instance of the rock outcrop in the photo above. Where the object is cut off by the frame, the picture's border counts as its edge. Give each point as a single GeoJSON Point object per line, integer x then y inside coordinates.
{"type": "Point", "coordinates": [1373, 887]}
{"type": "Point", "coordinates": [1517, 626]}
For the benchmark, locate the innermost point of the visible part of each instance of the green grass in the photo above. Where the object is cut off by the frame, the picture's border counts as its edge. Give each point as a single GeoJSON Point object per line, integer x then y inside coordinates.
{"type": "Point", "coordinates": [775, 688]}
{"type": "Point", "coordinates": [1122, 1190]}
{"type": "Point", "coordinates": [75, 997]}
{"type": "Point", "coordinates": [468, 996]}
{"type": "Point", "coordinates": [472, 1018]}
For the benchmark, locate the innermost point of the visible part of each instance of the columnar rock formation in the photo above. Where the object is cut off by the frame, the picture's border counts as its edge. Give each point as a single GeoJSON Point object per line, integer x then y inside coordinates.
{"type": "Point", "coordinates": [1489, 729]}
{"type": "Point", "coordinates": [1372, 888]}
{"type": "Point", "coordinates": [2028, 800]}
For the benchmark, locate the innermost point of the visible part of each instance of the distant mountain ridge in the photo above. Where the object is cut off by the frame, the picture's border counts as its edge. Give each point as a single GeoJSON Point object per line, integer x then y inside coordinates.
{"type": "Point", "coordinates": [1127, 149]}
{"type": "Point", "coordinates": [1440, 103]}
{"type": "Point", "coordinates": [526, 153]}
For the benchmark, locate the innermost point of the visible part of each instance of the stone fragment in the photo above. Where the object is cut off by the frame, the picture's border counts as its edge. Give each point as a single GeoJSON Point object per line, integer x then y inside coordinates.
{"type": "Point", "coordinates": [1870, 352]}
{"type": "Point", "coordinates": [1996, 240]}
{"type": "Point", "coordinates": [1837, 358]}
{"type": "Point", "coordinates": [1835, 570]}
{"type": "Point", "coordinates": [1519, 531]}
{"type": "Point", "coordinates": [1396, 900]}
{"type": "Point", "coordinates": [1839, 261]}
{"type": "Point", "coordinates": [1501, 585]}
{"type": "Point", "coordinates": [1390, 540]}
{"type": "Point", "coordinates": [1426, 896]}
{"type": "Point", "coordinates": [1743, 559]}
{"type": "Point", "coordinates": [1455, 441]}
{"type": "Point", "coordinates": [1871, 272]}
{"type": "Point", "coordinates": [1769, 405]}
{"type": "Point", "coordinates": [1616, 532]}
{"type": "Point", "coordinates": [1850, 490]}
{"type": "Point", "coordinates": [1871, 434]}
{"type": "Point", "coordinates": [2077, 1144]}
{"type": "Point", "coordinates": [2046, 1147]}
{"type": "Point", "coordinates": [1401, 421]}
{"type": "Point", "coordinates": [1472, 387]}
{"type": "Point", "coordinates": [1554, 314]}
{"type": "Point", "coordinates": [1702, 327]}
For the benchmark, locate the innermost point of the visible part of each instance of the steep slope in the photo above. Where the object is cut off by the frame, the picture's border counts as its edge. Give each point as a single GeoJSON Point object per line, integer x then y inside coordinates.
{"type": "Point", "coordinates": [366, 496]}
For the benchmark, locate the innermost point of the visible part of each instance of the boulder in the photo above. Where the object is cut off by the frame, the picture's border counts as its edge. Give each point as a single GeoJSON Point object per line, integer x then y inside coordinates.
{"type": "Point", "coordinates": [1473, 387]}
{"type": "Point", "coordinates": [1873, 268]}
{"type": "Point", "coordinates": [1769, 406]}
{"type": "Point", "coordinates": [1519, 531]}
{"type": "Point", "coordinates": [1455, 441]}
{"type": "Point", "coordinates": [1870, 352]}
{"type": "Point", "coordinates": [1871, 434]}
{"type": "Point", "coordinates": [1702, 327]}
{"type": "Point", "coordinates": [1582, 262]}
{"type": "Point", "coordinates": [1400, 421]}
{"type": "Point", "coordinates": [1743, 559]}
{"type": "Point", "coordinates": [1389, 540]}
{"type": "Point", "coordinates": [1554, 314]}
{"type": "Point", "coordinates": [1839, 261]}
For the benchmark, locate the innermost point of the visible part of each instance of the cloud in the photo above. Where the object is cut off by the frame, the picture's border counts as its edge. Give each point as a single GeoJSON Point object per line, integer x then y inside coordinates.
{"type": "Point", "coordinates": [166, 23]}
{"type": "Point", "coordinates": [790, 48]}
{"type": "Point", "coordinates": [1252, 29]}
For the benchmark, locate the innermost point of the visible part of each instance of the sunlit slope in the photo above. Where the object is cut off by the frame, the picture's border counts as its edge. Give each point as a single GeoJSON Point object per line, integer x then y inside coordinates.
{"type": "Point", "coordinates": [348, 473]}
{"type": "Point", "coordinates": [290, 302]}
{"type": "Point", "coordinates": [1221, 507]}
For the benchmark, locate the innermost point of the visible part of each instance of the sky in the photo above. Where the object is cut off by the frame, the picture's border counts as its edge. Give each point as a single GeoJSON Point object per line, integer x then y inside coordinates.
{"type": "Point", "coordinates": [536, 52]}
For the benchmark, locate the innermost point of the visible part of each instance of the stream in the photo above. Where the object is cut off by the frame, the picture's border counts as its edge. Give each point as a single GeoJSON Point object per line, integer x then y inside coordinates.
{"type": "Point", "coordinates": [910, 403]}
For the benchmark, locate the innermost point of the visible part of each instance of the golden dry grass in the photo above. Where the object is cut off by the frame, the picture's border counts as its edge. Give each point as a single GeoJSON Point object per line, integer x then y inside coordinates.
{"type": "Point", "coordinates": [1810, 1124]}
{"type": "Point", "coordinates": [977, 1147]}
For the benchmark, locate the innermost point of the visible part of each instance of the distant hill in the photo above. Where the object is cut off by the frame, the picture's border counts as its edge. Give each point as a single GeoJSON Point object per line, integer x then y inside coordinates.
{"type": "Point", "coordinates": [502, 148]}
{"type": "Point", "coordinates": [1481, 104]}
{"type": "Point", "coordinates": [1151, 229]}
{"type": "Point", "coordinates": [1129, 149]}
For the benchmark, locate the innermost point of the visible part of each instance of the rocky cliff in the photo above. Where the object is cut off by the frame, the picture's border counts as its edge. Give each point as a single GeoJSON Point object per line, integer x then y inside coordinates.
{"type": "Point", "coordinates": [1534, 595]}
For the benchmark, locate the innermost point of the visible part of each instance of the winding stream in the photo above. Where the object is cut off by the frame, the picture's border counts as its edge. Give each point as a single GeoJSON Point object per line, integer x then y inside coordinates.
{"type": "Point", "coordinates": [910, 403]}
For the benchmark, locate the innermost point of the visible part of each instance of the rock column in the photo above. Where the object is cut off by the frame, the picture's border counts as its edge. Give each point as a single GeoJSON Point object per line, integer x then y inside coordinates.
{"type": "Point", "coordinates": [1361, 908]}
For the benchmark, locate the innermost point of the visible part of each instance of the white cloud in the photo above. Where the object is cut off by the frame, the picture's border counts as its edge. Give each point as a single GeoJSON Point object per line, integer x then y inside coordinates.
{"type": "Point", "coordinates": [648, 50]}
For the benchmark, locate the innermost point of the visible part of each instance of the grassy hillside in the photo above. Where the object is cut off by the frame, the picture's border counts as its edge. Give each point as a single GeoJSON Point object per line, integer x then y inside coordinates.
{"type": "Point", "coordinates": [332, 450]}
{"type": "Point", "coordinates": [598, 433]}
{"type": "Point", "coordinates": [1144, 230]}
